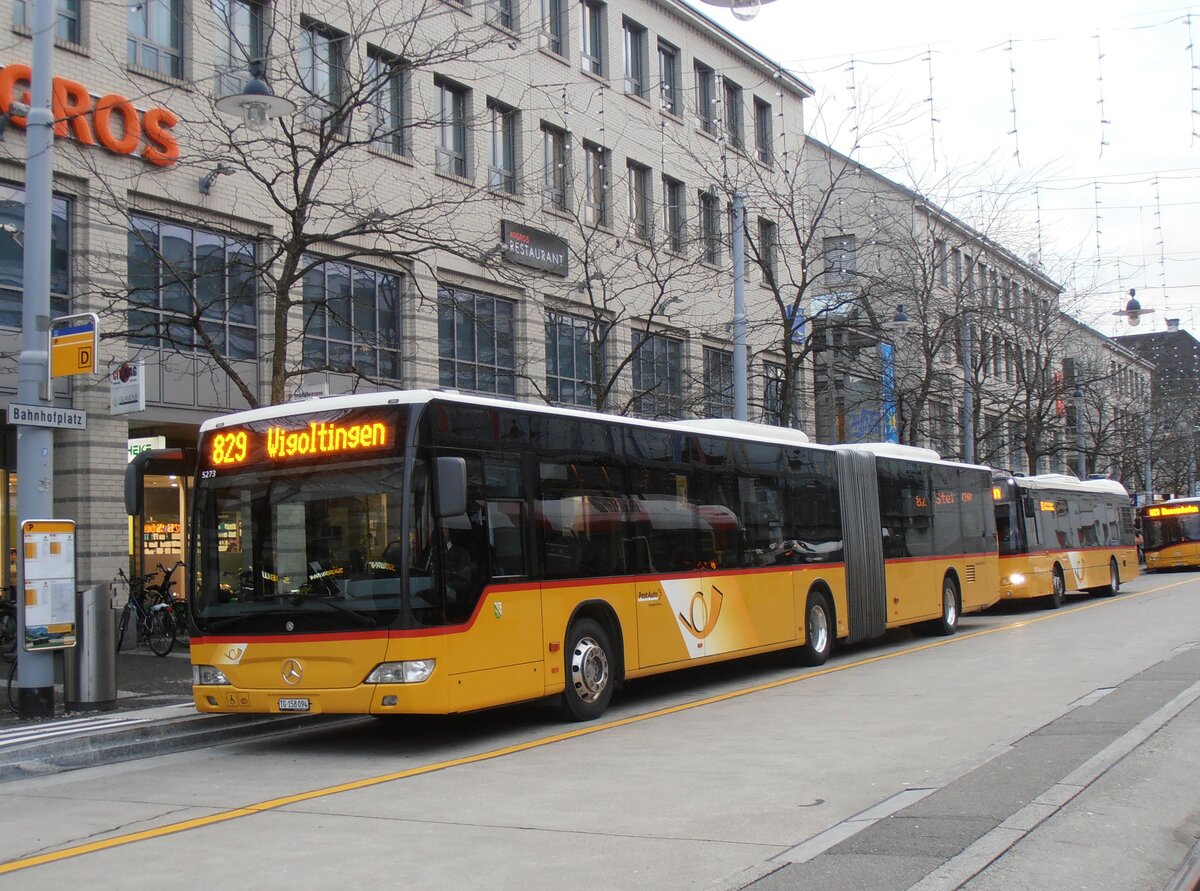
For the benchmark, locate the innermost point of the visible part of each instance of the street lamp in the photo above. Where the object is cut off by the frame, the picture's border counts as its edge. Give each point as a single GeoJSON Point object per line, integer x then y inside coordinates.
{"type": "Point", "coordinates": [1133, 312]}
{"type": "Point", "coordinates": [900, 321]}
{"type": "Point", "coordinates": [255, 104]}
{"type": "Point", "coordinates": [743, 10]}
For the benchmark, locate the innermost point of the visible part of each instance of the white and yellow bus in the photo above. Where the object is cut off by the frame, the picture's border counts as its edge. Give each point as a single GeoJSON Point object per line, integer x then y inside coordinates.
{"type": "Point", "coordinates": [1171, 534]}
{"type": "Point", "coordinates": [427, 552]}
{"type": "Point", "coordinates": [1057, 533]}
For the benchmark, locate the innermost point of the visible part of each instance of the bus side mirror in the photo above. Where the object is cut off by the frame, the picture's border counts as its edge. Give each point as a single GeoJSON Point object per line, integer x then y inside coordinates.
{"type": "Point", "coordinates": [451, 487]}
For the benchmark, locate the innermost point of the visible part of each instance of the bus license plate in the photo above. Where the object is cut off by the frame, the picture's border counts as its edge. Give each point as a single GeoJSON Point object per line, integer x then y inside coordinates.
{"type": "Point", "coordinates": [294, 705]}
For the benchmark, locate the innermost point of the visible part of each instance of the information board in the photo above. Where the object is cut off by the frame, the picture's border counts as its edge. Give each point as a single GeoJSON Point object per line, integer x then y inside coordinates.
{"type": "Point", "coordinates": [48, 560]}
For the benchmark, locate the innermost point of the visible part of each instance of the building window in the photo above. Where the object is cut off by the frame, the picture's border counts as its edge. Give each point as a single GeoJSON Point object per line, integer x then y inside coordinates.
{"type": "Point", "coordinates": [657, 375]}
{"type": "Point", "coordinates": [841, 261]}
{"type": "Point", "coordinates": [706, 98]}
{"type": "Point", "coordinates": [554, 29]}
{"type": "Point", "coordinates": [239, 42]}
{"type": "Point", "coordinates": [710, 227]}
{"type": "Point", "coordinates": [595, 189]}
{"type": "Point", "coordinates": [733, 114]}
{"type": "Point", "coordinates": [352, 320]}
{"type": "Point", "coordinates": [191, 289]}
{"type": "Point", "coordinates": [768, 250]}
{"type": "Point", "coordinates": [555, 166]}
{"type": "Point", "coordinates": [639, 200]}
{"type": "Point", "coordinates": [500, 13]}
{"type": "Point", "coordinates": [718, 383]}
{"type": "Point", "coordinates": [502, 154]}
{"type": "Point", "coordinates": [773, 408]}
{"type": "Point", "coordinates": [156, 36]}
{"type": "Point", "coordinates": [386, 80]}
{"type": "Point", "coordinates": [668, 77]}
{"type": "Point", "coordinates": [763, 126]}
{"type": "Point", "coordinates": [476, 342]}
{"type": "Point", "coordinates": [635, 58]}
{"type": "Point", "coordinates": [67, 22]}
{"type": "Point", "coordinates": [322, 67]}
{"type": "Point", "coordinates": [591, 36]}
{"type": "Point", "coordinates": [12, 255]}
{"type": "Point", "coordinates": [572, 344]}
{"type": "Point", "coordinates": [451, 152]}
{"type": "Point", "coordinates": [673, 214]}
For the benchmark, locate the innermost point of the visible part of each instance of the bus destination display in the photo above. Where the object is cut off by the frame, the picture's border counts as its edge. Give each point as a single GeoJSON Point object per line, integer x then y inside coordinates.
{"type": "Point", "coordinates": [278, 444]}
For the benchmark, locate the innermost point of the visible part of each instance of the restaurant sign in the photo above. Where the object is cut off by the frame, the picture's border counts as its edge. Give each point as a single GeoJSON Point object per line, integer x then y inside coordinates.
{"type": "Point", "coordinates": [533, 247]}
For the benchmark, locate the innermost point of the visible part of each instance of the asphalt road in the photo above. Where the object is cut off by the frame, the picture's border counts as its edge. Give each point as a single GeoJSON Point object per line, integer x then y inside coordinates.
{"type": "Point", "coordinates": [1032, 750]}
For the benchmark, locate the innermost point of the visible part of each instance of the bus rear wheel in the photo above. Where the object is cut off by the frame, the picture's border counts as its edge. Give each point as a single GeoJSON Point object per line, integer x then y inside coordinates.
{"type": "Point", "coordinates": [818, 630]}
{"type": "Point", "coordinates": [588, 665]}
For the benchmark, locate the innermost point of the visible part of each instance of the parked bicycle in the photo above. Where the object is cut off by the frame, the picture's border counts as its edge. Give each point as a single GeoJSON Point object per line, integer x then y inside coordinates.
{"type": "Point", "coordinates": [178, 602]}
{"type": "Point", "coordinates": [155, 614]}
{"type": "Point", "coordinates": [8, 625]}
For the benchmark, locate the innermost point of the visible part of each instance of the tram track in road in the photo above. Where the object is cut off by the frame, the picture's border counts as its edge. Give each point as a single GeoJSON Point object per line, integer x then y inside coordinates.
{"type": "Point", "coordinates": [278, 802]}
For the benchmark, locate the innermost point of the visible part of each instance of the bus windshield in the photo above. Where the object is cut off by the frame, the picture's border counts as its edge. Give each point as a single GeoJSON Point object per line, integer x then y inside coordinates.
{"type": "Point", "coordinates": [1161, 532]}
{"type": "Point", "coordinates": [303, 550]}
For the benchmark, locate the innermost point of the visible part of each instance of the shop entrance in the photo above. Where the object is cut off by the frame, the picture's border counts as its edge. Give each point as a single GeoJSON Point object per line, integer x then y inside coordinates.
{"type": "Point", "coordinates": [158, 498]}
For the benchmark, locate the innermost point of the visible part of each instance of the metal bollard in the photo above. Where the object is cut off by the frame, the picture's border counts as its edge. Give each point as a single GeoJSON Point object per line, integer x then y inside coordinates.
{"type": "Point", "coordinates": [90, 667]}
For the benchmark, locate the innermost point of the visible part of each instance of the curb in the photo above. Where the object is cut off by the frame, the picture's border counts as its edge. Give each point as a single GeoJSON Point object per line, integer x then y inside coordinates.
{"type": "Point", "coordinates": [123, 736]}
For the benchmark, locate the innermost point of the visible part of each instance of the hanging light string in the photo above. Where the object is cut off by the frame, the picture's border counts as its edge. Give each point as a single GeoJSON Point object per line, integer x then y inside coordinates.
{"type": "Point", "coordinates": [1104, 122]}
{"type": "Point", "coordinates": [933, 120]}
{"type": "Point", "coordinates": [1012, 90]}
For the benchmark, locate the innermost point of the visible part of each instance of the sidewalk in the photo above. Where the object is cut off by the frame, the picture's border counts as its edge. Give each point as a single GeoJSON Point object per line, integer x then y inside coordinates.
{"type": "Point", "coordinates": [154, 714]}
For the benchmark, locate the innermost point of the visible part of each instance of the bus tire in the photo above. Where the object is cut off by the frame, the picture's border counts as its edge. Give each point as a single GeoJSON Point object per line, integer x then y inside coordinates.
{"type": "Point", "coordinates": [818, 630]}
{"type": "Point", "coordinates": [588, 663]}
{"type": "Point", "coordinates": [1058, 588]}
{"type": "Point", "coordinates": [1114, 579]}
{"type": "Point", "coordinates": [947, 624]}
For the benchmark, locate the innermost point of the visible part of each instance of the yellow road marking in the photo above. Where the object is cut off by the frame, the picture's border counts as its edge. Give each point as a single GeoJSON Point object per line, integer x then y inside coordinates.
{"type": "Point", "coordinates": [366, 783]}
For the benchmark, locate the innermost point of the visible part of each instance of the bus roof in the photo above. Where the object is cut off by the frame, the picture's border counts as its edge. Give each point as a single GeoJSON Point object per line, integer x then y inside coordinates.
{"type": "Point", "coordinates": [718, 426]}
{"type": "Point", "coordinates": [1066, 482]}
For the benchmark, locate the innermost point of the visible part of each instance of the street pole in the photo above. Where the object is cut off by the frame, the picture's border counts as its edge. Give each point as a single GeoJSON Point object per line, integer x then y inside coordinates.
{"type": "Point", "coordinates": [1147, 470]}
{"type": "Point", "coordinates": [1081, 458]}
{"type": "Point", "coordinates": [35, 445]}
{"type": "Point", "coordinates": [968, 394]}
{"type": "Point", "coordinates": [739, 309]}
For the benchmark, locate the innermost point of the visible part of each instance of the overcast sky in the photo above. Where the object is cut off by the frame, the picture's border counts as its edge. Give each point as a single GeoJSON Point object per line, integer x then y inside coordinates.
{"type": "Point", "coordinates": [1102, 173]}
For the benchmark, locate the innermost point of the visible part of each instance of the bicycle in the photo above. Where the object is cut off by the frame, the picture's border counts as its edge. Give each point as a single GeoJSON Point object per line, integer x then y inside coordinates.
{"type": "Point", "coordinates": [155, 622]}
{"type": "Point", "coordinates": [8, 627]}
{"type": "Point", "coordinates": [179, 605]}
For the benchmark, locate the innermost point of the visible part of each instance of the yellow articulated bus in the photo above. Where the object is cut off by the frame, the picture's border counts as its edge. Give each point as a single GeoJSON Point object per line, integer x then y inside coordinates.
{"type": "Point", "coordinates": [428, 552]}
{"type": "Point", "coordinates": [1171, 534]}
{"type": "Point", "coordinates": [1057, 533]}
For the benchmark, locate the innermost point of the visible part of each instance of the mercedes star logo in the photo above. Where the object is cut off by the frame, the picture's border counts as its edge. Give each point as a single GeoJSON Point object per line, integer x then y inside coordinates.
{"type": "Point", "coordinates": [292, 672]}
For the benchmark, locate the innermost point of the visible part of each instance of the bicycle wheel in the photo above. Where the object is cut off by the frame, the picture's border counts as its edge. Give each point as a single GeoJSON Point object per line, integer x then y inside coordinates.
{"type": "Point", "coordinates": [161, 632]}
{"type": "Point", "coordinates": [12, 687]}
{"type": "Point", "coordinates": [123, 624]}
{"type": "Point", "coordinates": [8, 637]}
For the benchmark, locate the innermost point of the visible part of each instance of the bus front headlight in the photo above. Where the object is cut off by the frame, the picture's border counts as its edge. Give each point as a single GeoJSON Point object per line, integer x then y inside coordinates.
{"type": "Point", "coordinates": [412, 672]}
{"type": "Point", "coordinates": [208, 676]}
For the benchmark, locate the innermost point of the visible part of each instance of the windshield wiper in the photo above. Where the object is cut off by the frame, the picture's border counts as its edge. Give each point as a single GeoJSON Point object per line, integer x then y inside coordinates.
{"type": "Point", "coordinates": [363, 620]}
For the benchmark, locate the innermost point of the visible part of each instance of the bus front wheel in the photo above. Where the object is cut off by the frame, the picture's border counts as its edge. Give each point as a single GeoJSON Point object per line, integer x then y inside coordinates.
{"type": "Point", "coordinates": [588, 664]}
{"type": "Point", "coordinates": [1058, 589]}
{"type": "Point", "coordinates": [818, 630]}
{"type": "Point", "coordinates": [948, 623]}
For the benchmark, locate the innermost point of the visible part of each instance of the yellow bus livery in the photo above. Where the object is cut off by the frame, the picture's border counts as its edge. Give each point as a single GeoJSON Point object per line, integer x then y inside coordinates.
{"type": "Point", "coordinates": [459, 553]}
{"type": "Point", "coordinates": [1057, 533]}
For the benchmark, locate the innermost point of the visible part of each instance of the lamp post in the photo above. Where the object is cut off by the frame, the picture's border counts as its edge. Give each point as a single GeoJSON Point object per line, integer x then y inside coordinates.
{"type": "Point", "coordinates": [740, 411]}
{"type": "Point", "coordinates": [968, 401]}
{"type": "Point", "coordinates": [35, 445]}
{"type": "Point", "coordinates": [1081, 458]}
